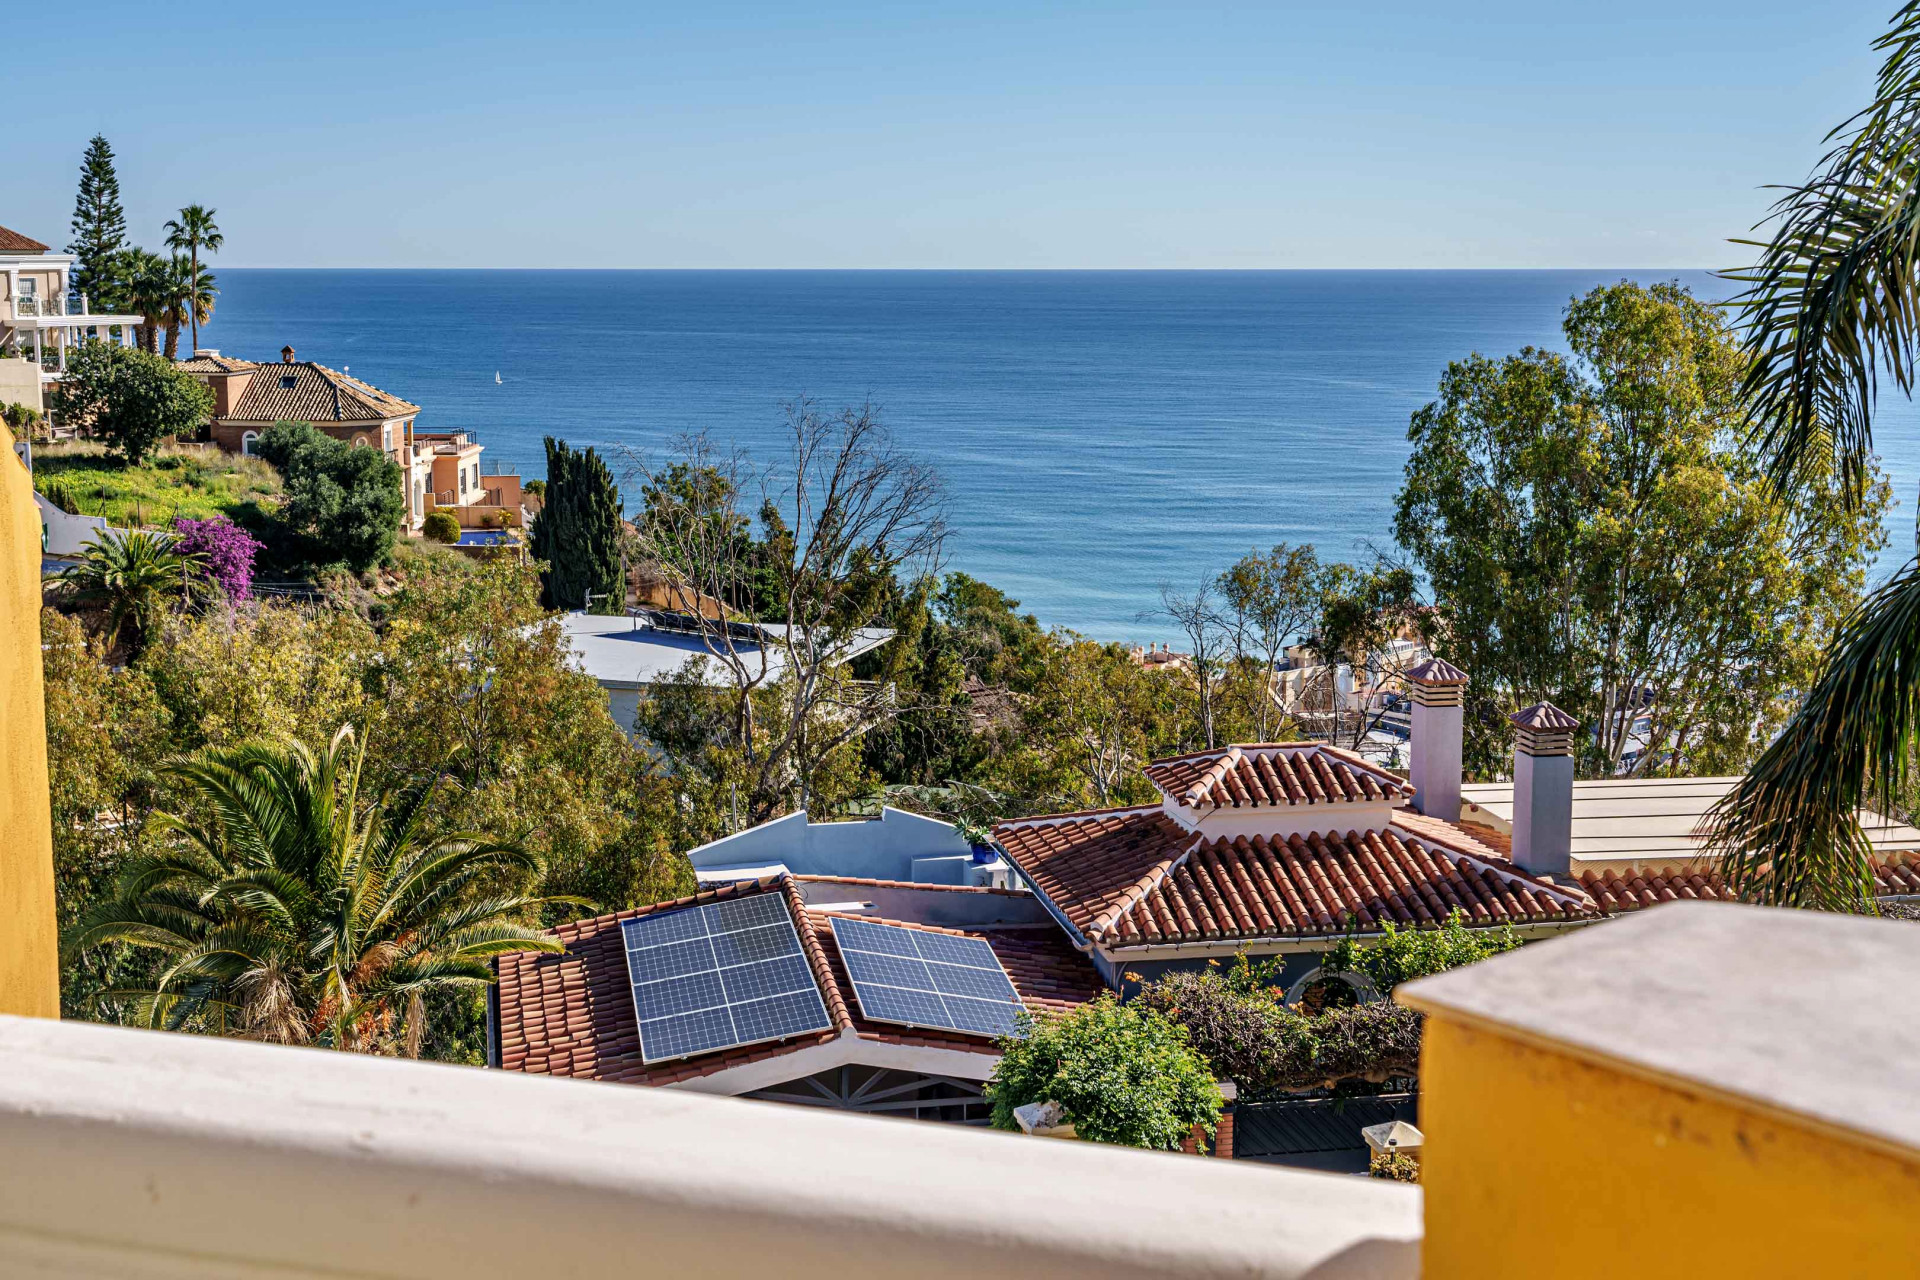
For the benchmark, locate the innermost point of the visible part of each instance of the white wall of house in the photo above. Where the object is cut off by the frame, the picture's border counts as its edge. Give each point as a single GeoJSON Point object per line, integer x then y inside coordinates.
{"type": "Point", "coordinates": [895, 846]}
{"type": "Point", "coordinates": [66, 535]}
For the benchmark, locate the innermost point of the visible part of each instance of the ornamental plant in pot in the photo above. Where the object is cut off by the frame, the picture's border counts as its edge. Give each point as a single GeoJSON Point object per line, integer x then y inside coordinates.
{"type": "Point", "coordinates": [979, 836]}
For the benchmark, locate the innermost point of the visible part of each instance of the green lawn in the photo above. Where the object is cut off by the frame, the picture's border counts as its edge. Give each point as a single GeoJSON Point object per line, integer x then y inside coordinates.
{"type": "Point", "coordinates": [196, 481]}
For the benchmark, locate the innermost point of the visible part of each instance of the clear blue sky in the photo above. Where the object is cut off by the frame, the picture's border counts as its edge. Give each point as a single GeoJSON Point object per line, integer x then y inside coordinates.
{"type": "Point", "coordinates": [822, 134]}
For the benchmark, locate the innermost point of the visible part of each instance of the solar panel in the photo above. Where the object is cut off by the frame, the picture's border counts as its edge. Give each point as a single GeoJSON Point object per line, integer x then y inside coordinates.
{"type": "Point", "coordinates": [720, 975]}
{"type": "Point", "coordinates": [927, 979]}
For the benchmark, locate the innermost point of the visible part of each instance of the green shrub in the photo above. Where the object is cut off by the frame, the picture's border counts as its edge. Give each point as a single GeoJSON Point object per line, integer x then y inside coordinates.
{"type": "Point", "coordinates": [1253, 1039]}
{"type": "Point", "coordinates": [344, 504]}
{"type": "Point", "coordinates": [1402, 955]}
{"type": "Point", "coordinates": [129, 398]}
{"type": "Point", "coordinates": [1124, 1075]}
{"type": "Point", "coordinates": [440, 526]}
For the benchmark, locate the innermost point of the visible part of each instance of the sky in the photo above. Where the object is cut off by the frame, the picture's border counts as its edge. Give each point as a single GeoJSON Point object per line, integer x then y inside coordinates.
{"type": "Point", "coordinates": [834, 134]}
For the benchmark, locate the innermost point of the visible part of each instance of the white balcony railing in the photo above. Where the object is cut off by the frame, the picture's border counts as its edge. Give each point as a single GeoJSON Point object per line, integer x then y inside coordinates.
{"type": "Point", "coordinates": [23, 306]}
{"type": "Point", "coordinates": [132, 1153]}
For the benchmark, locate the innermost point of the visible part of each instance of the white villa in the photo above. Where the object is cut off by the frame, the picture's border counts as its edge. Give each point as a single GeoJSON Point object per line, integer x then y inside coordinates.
{"type": "Point", "coordinates": [39, 323]}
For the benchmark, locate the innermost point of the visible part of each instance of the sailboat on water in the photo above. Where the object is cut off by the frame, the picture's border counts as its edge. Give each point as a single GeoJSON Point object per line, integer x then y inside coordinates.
{"type": "Point", "coordinates": [496, 377]}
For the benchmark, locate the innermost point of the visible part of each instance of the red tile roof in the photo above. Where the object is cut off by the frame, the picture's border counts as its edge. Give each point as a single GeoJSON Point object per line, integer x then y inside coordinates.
{"type": "Point", "coordinates": [1436, 671]}
{"type": "Point", "coordinates": [1273, 774]}
{"type": "Point", "coordinates": [318, 395]}
{"type": "Point", "coordinates": [572, 1014]}
{"type": "Point", "coordinates": [14, 242]}
{"type": "Point", "coordinates": [1544, 716]}
{"type": "Point", "coordinates": [1894, 876]}
{"type": "Point", "coordinates": [1137, 878]}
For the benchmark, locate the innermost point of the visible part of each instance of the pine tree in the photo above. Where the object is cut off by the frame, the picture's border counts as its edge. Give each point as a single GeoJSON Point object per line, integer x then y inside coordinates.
{"type": "Point", "coordinates": [577, 532]}
{"type": "Point", "coordinates": [99, 228]}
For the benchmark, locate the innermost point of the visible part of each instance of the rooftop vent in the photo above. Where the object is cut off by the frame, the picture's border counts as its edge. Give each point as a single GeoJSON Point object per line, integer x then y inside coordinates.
{"type": "Point", "coordinates": [286, 354]}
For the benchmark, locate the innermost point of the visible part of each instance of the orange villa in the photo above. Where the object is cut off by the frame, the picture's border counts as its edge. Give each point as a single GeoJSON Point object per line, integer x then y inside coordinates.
{"type": "Point", "coordinates": [439, 469]}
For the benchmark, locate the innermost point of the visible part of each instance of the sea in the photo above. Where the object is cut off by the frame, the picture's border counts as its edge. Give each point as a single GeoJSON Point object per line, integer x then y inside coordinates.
{"type": "Point", "coordinates": [1100, 434]}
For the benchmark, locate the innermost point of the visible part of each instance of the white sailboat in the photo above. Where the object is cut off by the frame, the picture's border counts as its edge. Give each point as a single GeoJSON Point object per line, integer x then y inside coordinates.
{"type": "Point", "coordinates": [496, 377]}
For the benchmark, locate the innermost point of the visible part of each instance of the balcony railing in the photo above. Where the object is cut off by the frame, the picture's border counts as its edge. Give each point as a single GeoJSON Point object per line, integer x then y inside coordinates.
{"type": "Point", "coordinates": [24, 306]}
{"type": "Point", "coordinates": [153, 1154]}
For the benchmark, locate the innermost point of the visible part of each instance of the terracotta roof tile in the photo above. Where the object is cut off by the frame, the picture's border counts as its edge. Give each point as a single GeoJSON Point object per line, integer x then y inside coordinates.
{"type": "Point", "coordinates": [14, 242]}
{"type": "Point", "coordinates": [1436, 671]}
{"type": "Point", "coordinates": [1273, 774]}
{"type": "Point", "coordinates": [1137, 878]}
{"type": "Point", "coordinates": [572, 1014]}
{"type": "Point", "coordinates": [1897, 875]}
{"type": "Point", "coordinates": [318, 395]}
{"type": "Point", "coordinates": [214, 364]}
{"type": "Point", "coordinates": [1544, 717]}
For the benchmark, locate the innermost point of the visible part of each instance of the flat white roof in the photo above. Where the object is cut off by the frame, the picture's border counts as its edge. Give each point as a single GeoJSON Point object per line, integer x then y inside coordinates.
{"type": "Point", "coordinates": [1654, 818]}
{"type": "Point", "coordinates": [625, 653]}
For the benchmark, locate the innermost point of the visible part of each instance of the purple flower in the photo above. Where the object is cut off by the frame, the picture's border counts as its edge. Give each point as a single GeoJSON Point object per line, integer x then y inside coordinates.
{"type": "Point", "coordinates": [225, 550]}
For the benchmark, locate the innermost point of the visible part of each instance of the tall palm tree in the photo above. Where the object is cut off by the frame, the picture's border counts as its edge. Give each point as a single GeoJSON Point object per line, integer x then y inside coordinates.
{"type": "Point", "coordinates": [193, 231]}
{"type": "Point", "coordinates": [147, 293]}
{"type": "Point", "coordinates": [1833, 302]}
{"type": "Point", "coordinates": [288, 906]}
{"type": "Point", "coordinates": [188, 294]}
{"type": "Point", "coordinates": [132, 575]}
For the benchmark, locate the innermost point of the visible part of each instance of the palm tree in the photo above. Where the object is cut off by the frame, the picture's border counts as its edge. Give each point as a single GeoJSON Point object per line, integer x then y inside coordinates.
{"type": "Point", "coordinates": [187, 295]}
{"type": "Point", "coordinates": [191, 232]}
{"type": "Point", "coordinates": [289, 907]}
{"type": "Point", "coordinates": [1833, 301]}
{"type": "Point", "coordinates": [147, 293]}
{"type": "Point", "coordinates": [132, 574]}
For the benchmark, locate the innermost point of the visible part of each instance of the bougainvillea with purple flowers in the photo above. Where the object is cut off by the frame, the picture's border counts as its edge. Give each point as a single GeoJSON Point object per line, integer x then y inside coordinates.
{"type": "Point", "coordinates": [226, 552]}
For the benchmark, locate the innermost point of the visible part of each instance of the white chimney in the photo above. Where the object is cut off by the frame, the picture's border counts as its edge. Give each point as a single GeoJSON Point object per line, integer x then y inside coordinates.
{"type": "Point", "coordinates": [1439, 688]}
{"type": "Point", "coordinates": [1543, 789]}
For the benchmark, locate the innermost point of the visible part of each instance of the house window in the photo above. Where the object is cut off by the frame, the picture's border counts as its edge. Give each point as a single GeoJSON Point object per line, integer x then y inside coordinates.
{"type": "Point", "coordinates": [288, 382]}
{"type": "Point", "coordinates": [246, 442]}
{"type": "Point", "coordinates": [463, 480]}
{"type": "Point", "coordinates": [360, 442]}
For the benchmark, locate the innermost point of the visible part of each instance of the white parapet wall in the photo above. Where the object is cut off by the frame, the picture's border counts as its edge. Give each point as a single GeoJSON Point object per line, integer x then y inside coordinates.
{"type": "Point", "coordinates": [146, 1155]}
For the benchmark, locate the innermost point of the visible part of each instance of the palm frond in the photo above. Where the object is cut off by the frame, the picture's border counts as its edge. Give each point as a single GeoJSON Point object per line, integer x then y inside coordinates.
{"type": "Point", "coordinates": [1831, 303]}
{"type": "Point", "coordinates": [1789, 833]}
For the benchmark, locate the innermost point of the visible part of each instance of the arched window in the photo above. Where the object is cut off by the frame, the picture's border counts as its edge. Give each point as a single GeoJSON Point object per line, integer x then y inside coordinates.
{"type": "Point", "coordinates": [246, 442]}
{"type": "Point", "coordinates": [359, 442]}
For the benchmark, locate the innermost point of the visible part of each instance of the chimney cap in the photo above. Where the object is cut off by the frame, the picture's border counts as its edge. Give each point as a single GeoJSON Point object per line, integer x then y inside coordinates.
{"type": "Point", "coordinates": [1544, 717]}
{"type": "Point", "coordinates": [286, 354]}
{"type": "Point", "coordinates": [1436, 671]}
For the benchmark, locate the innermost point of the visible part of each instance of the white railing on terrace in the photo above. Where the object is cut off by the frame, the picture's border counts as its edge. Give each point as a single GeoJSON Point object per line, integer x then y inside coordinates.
{"type": "Point", "coordinates": [49, 307]}
{"type": "Point", "coordinates": [132, 1153]}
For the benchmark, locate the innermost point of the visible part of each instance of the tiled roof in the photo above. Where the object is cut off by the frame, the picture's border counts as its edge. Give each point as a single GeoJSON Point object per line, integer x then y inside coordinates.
{"type": "Point", "coordinates": [318, 395]}
{"type": "Point", "coordinates": [1436, 671]}
{"type": "Point", "coordinates": [1894, 876]}
{"type": "Point", "coordinates": [1544, 716]}
{"type": "Point", "coordinates": [14, 242]}
{"type": "Point", "coordinates": [204, 363]}
{"type": "Point", "coordinates": [1137, 878]}
{"type": "Point", "coordinates": [572, 1014]}
{"type": "Point", "coordinates": [1273, 774]}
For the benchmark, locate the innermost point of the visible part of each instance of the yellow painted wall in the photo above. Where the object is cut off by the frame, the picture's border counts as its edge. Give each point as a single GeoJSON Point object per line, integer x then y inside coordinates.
{"type": "Point", "coordinates": [29, 956]}
{"type": "Point", "coordinates": [1538, 1164]}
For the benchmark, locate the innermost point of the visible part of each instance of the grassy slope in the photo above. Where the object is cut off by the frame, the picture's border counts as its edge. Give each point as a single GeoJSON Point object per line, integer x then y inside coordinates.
{"type": "Point", "coordinates": [182, 480]}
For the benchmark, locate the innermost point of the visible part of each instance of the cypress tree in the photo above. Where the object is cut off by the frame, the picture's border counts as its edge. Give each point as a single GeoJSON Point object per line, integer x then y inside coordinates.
{"type": "Point", "coordinates": [577, 532]}
{"type": "Point", "coordinates": [99, 228]}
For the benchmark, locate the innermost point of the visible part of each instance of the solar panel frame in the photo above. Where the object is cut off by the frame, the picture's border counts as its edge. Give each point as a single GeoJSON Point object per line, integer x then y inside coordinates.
{"type": "Point", "coordinates": [892, 986]}
{"type": "Point", "coordinates": [720, 975]}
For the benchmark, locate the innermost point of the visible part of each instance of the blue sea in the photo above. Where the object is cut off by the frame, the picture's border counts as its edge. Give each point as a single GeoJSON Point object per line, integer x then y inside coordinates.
{"type": "Point", "coordinates": [1100, 433]}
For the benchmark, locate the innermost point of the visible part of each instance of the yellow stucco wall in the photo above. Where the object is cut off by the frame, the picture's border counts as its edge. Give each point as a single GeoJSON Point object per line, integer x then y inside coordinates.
{"type": "Point", "coordinates": [29, 959]}
{"type": "Point", "coordinates": [1539, 1164]}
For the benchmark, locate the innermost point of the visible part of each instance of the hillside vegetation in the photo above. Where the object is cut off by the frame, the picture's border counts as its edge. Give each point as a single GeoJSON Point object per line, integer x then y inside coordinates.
{"type": "Point", "coordinates": [180, 480]}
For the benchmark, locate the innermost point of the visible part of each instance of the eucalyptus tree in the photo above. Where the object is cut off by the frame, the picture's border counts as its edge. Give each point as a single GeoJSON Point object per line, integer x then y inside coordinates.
{"type": "Point", "coordinates": [289, 902]}
{"type": "Point", "coordinates": [1594, 536]}
{"type": "Point", "coordinates": [1830, 308]}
